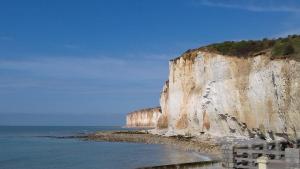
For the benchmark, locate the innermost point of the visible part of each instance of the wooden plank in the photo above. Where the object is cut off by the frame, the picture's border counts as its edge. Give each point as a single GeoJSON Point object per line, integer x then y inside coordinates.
{"type": "Point", "coordinates": [249, 167]}
{"type": "Point", "coordinates": [250, 160]}
{"type": "Point", "coordinates": [245, 159]}
{"type": "Point", "coordinates": [260, 152]}
{"type": "Point", "coordinates": [277, 161]}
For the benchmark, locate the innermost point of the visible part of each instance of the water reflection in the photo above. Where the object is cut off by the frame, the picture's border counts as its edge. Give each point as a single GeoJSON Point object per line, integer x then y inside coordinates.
{"type": "Point", "coordinates": [173, 155]}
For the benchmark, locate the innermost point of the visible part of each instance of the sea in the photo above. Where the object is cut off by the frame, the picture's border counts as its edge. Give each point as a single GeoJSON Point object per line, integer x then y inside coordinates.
{"type": "Point", "coordinates": [35, 147]}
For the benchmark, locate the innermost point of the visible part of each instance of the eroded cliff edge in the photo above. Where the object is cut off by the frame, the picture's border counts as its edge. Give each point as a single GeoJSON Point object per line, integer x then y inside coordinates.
{"type": "Point", "coordinates": [144, 118]}
{"type": "Point", "coordinates": [223, 95]}
{"type": "Point", "coordinates": [247, 88]}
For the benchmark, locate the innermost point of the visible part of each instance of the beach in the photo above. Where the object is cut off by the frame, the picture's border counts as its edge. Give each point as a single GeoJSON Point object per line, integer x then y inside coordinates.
{"type": "Point", "coordinates": [142, 136]}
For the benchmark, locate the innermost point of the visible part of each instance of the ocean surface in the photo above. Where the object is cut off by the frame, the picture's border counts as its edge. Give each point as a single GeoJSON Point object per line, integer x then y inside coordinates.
{"type": "Point", "coordinates": [24, 148]}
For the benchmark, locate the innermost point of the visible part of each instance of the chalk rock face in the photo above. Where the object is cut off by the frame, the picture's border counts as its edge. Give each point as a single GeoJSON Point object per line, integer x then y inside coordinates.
{"type": "Point", "coordinates": [226, 95]}
{"type": "Point", "coordinates": [144, 118]}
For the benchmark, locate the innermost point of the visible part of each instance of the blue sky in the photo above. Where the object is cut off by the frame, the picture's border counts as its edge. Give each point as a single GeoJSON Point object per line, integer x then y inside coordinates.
{"type": "Point", "coordinates": [66, 62]}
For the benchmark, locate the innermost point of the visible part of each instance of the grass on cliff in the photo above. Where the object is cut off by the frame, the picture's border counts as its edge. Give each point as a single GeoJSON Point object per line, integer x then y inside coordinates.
{"type": "Point", "coordinates": [288, 47]}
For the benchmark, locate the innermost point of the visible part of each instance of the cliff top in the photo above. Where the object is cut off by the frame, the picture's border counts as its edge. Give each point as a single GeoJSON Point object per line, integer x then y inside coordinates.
{"type": "Point", "coordinates": [145, 110]}
{"type": "Point", "coordinates": [280, 48]}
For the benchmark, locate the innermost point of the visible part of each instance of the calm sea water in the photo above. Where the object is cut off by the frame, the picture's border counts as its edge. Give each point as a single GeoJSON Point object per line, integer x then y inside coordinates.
{"type": "Point", "coordinates": [22, 148]}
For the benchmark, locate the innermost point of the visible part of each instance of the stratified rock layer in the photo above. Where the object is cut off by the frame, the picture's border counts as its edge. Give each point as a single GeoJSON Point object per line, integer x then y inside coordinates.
{"type": "Point", "coordinates": [226, 95]}
{"type": "Point", "coordinates": [144, 118]}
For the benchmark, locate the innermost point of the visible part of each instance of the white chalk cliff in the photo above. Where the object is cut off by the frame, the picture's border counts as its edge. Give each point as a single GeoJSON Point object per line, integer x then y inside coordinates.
{"type": "Point", "coordinates": [227, 95]}
{"type": "Point", "coordinates": [253, 92]}
{"type": "Point", "coordinates": [144, 118]}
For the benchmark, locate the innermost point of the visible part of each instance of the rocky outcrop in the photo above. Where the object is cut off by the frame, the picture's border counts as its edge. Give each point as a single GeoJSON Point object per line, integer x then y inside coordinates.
{"type": "Point", "coordinates": [144, 118]}
{"type": "Point", "coordinates": [220, 95]}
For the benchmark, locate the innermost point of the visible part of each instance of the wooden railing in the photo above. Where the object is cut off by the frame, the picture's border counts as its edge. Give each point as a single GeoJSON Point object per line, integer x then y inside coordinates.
{"type": "Point", "coordinates": [245, 156]}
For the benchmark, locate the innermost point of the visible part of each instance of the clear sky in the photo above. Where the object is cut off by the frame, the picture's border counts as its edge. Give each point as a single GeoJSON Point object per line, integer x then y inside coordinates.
{"type": "Point", "coordinates": [89, 62]}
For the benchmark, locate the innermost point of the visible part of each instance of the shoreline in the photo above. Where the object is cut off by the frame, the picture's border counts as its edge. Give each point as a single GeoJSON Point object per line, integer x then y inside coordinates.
{"type": "Point", "coordinates": [206, 148]}
{"type": "Point", "coordinates": [210, 149]}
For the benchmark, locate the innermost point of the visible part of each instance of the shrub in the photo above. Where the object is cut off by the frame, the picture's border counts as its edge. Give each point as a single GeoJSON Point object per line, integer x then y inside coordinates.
{"type": "Point", "coordinates": [288, 49]}
{"type": "Point", "coordinates": [278, 47]}
{"type": "Point", "coordinates": [283, 48]}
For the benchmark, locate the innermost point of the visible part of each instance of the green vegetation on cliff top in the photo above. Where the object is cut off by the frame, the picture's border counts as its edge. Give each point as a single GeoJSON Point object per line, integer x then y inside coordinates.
{"type": "Point", "coordinates": [280, 48]}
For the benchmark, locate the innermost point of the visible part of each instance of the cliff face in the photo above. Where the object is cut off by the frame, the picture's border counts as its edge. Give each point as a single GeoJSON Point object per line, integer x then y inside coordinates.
{"type": "Point", "coordinates": [226, 95]}
{"type": "Point", "coordinates": [144, 118]}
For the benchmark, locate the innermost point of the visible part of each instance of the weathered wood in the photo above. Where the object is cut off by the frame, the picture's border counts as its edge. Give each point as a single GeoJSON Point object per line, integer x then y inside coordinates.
{"type": "Point", "coordinates": [245, 156]}
{"type": "Point", "coordinates": [246, 167]}
{"type": "Point", "coordinates": [260, 151]}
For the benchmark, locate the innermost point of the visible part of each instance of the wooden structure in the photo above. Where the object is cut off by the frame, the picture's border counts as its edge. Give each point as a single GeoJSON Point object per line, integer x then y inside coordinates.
{"type": "Point", "coordinates": [281, 155]}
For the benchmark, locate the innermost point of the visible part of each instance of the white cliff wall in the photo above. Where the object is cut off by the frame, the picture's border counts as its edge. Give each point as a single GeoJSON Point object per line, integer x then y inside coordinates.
{"type": "Point", "coordinates": [145, 118]}
{"type": "Point", "coordinates": [224, 95]}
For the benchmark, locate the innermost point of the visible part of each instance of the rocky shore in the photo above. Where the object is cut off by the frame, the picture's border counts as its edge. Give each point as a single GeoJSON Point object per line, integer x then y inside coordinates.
{"type": "Point", "coordinates": [142, 136]}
